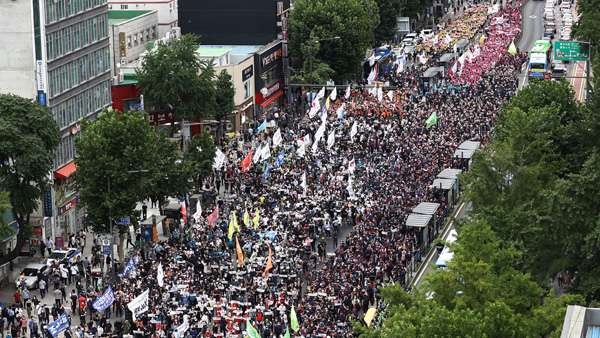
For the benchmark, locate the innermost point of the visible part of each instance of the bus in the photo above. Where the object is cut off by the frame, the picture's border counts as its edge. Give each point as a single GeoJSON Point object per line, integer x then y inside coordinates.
{"type": "Point", "coordinates": [538, 65]}
{"type": "Point", "coordinates": [446, 255]}
{"type": "Point", "coordinates": [384, 62]}
{"type": "Point", "coordinates": [542, 46]}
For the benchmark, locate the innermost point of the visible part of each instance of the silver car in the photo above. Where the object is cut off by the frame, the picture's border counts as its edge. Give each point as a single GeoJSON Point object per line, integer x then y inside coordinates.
{"type": "Point", "coordinates": [30, 274]}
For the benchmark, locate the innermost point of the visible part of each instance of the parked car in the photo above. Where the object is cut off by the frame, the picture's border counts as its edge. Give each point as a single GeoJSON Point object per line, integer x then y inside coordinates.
{"type": "Point", "coordinates": [31, 273]}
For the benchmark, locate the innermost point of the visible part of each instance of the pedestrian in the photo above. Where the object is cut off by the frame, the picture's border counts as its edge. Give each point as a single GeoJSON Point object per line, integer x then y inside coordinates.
{"type": "Point", "coordinates": [49, 245]}
{"type": "Point", "coordinates": [144, 211]}
{"type": "Point", "coordinates": [57, 296]}
{"type": "Point", "coordinates": [42, 288]}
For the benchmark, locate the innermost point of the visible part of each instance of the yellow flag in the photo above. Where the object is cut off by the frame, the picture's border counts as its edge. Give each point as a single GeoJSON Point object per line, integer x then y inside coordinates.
{"type": "Point", "coordinates": [512, 49]}
{"type": "Point", "coordinates": [327, 103]}
{"type": "Point", "coordinates": [231, 230]}
{"type": "Point", "coordinates": [235, 222]}
{"type": "Point", "coordinates": [247, 218]}
{"type": "Point", "coordinates": [256, 219]}
{"type": "Point", "coordinates": [233, 225]}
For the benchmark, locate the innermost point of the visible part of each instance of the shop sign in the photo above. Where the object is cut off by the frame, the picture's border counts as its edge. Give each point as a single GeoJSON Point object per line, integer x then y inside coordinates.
{"type": "Point", "coordinates": [160, 117]}
{"type": "Point", "coordinates": [269, 93]}
{"type": "Point", "coordinates": [48, 203]}
{"type": "Point", "coordinates": [67, 207]}
{"type": "Point", "coordinates": [247, 73]}
{"type": "Point", "coordinates": [271, 57]}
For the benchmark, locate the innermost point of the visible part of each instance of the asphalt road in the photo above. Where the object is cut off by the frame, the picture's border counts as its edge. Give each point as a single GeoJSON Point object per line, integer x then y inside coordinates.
{"type": "Point", "coordinates": [533, 29]}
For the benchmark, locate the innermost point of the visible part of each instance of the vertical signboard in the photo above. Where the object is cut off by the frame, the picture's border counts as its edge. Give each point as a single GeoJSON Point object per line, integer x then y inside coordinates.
{"type": "Point", "coordinates": [122, 49]}
{"type": "Point", "coordinates": [40, 72]}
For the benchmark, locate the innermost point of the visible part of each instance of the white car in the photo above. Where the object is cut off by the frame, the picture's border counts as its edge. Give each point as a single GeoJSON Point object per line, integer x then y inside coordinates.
{"type": "Point", "coordinates": [70, 254]}
{"type": "Point", "coordinates": [30, 274]}
{"type": "Point", "coordinates": [427, 33]}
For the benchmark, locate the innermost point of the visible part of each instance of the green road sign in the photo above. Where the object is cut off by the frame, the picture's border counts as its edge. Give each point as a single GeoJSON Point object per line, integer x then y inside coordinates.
{"type": "Point", "coordinates": [568, 51]}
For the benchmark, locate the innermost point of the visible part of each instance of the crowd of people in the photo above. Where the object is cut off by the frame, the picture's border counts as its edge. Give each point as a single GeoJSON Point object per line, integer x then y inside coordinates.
{"type": "Point", "coordinates": [272, 244]}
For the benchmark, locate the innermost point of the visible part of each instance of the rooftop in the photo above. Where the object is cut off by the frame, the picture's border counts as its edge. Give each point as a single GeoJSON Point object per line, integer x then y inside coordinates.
{"type": "Point", "coordinates": [235, 49]}
{"type": "Point", "coordinates": [117, 17]}
{"type": "Point", "coordinates": [203, 51]}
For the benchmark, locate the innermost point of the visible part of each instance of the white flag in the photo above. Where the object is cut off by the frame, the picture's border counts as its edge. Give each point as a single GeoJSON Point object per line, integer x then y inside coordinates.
{"type": "Point", "coordinates": [379, 94]}
{"type": "Point", "coordinates": [160, 274]}
{"type": "Point", "coordinates": [321, 94]}
{"type": "Point", "coordinates": [372, 60]}
{"type": "Point", "coordinates": [324, 116]}
{"type": "Point", "coordinates": [447, 39]}
{"type": "Point", "coordinates": [320, 132]}
{"type": "Point", "coordinates": [277, 138]}
{"type": "Point", "coordinates": [435, 40]}
{"type": "Point", "coordinates": [302, 149]}
{"type": "Point", "coordinates": [352, 166]}
{"type": "Point", "coordinates": [454, 48]}
{"type": "Point", "coordinates": [331, 139]}
{"type": "Point", "coordinates": [390, 94]}
{"type": "Point", "coordinates": [303, 184]}
{"type": "Point", "coordinates": [219, 159]}
{"type": "Point", "coordinates": [333, 94]}
{"type": "Point", "coordinates": [340, 111]}
{"type": "Point", "coordinates": [182, 329]}
{"type": "Point", "coordinates": [423, 58]}
{"type": "Point", "coordinates": [347, 92]}
{"type": "Point", "coordinates": [455, 67]}
{"type": "Point", "coordinates": [353, 131]}
{"type": "Point", "coordinates": [198, 212]}
{"type": "Point", "coordinates": [265, 153]}
{"type": "Point", "coordinates": [139, 304]}
{"type": "Point", "coordinates": [257, 154]}
{"type": "Point", "coordinates": [316, 107]}
{"type": "Point", "coordinates": [315, 146]}
{"type": "Point", "coordinates": [461, 59]}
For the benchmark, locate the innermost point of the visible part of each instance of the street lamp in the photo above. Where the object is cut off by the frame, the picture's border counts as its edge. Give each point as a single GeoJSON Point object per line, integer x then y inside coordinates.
{"type": "Point", "coordinates": [311, 57]}
{"type": "Point", "coordinates": [111, 219]}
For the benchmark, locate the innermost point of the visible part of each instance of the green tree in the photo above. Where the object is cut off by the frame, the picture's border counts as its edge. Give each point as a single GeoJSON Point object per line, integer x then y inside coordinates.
{"type": "Point", "coordinates": [174, 79]}
{"type": "Point", "coordinates": [410, 8]}
{"type": "Point", "coordinates": [28, 138]}
{"type": "Point", "coordinates": [224, 96]}
{"type": "Point", "coordinates": [389, 11]}
{"type": "Point", "coordinates": [321, 72]}
{"type": "Point", "coordinates": [111, 152]}
{"type": "Point", "coordinates": [199, 156]}
{"type": "Point", "coordinates": [318, 19]}
{"type": "Point", "coordinates": [5, 207]}
{"type": "Point", "coordinates": [168, 175]}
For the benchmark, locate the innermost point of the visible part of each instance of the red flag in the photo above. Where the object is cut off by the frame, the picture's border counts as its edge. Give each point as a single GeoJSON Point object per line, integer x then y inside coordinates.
{"type": "Point", "coordinates": [269, 265]}
{"type": "Point", "coordinates": [239, 251]}
{"type": "Point", "coordinates": [212, 218]}
{"type": "Point", "coordinates": [183, 211]}
{"type": "Point", "coordinates": [246, 162]}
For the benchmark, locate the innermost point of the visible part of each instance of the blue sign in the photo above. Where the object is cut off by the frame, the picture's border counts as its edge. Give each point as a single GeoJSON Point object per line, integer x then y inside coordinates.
{"type": "Point", "coordinates": [266, 173]}
{"type": "Point", "coordinates": [123, 221]}
{"type": "Point", "coordinates": [59, 325]}
{"type": "Point", "coordinates": [128, 268]}
{"type": "Point", "coordinates": [47, 203]}
{"type": "Point", "coordinates": [42, 98]}
{"type": "Point", "coordinates": [105, 247]}
{"type": "Point", "coordinates": [247, 73]}
{"type": "Point", "coordinates": [135, 106]}
{"type": "Point", "coordinates": [280, 158]}
{"type": "Point", "coordinates": [104, 301]}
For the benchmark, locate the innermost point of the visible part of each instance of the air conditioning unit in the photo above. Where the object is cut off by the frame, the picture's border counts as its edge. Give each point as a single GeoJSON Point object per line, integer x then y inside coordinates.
{"type": "Point", "coordinates": [175, 32]}
{"type": "Point", "coordinates": [121, 78]}
{"type": "Point", "coordinates": [115, 80]}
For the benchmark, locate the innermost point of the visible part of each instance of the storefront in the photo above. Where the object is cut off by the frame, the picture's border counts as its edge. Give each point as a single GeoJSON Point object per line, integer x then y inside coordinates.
{"type": "Point", "coordinates": [65, 201]}
{"type": "Point", "coordinates": [268, 63]}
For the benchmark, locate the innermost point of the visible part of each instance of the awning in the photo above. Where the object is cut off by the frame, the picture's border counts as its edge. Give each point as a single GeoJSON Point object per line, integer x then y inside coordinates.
{"type": "Point", "coordinates": [449, 173]}
{"type": "Point", "coordinates": [426, 208]}
{"type": "Point", "coordinates": [272, 99]}
{"type": "Point", "coordinates": [443, 183]}
{"type": "Point", "coordinates": [464, 153]}
{"type": "Point", "coordinates": [65, 171]}
{"type": "Point", "coordinates": [417, 220]}
{"type": "Point", "coordinates": [469, 145]}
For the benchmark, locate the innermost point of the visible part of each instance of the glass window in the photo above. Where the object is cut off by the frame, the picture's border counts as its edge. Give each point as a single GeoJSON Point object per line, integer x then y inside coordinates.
{"type": "Point", "coordinates": [63, 115]}
{"type": "Point", "coordinates": [129, 42]}
{"type": "Point", "coordinates": [97, 2]}
{"type": "Point", "coordinates": [61, 9]}
{"type": "Point", "coordinates": [85, 31]}
{"type": "Point", "coordinates": [72, 118]}
{"type": "Point", "coordinates": [80, 113]}
{"type": "Point", "coordinates": [89, 102]}
{"type": "Point", "coordinates": [99, 58]}
{"type": "Point", "coordinates": [80, 6]}
{"type": "Point", "coordinates": [88, 4]}
{"type": "Point", "coordinates": [71, 7]}
{"type": "Point", "coordinates": [107, 58]}
{"type": "Point", "coordinates": [65, 78]}
{"type": "Point", "coordinates": [94, 27]}
{"type": "Point", "coordinates": [153, 31]}
{"type": "Point", "coordinates": [96, 97]}
{"type": "Point", "coordinates": [135, 41]}
{"type": "Point", "coordinates": [147, 34]}
{"type": "Point", "coordinates": [67, 32]}
{"type": "Point", "coordinates": [83, 69]}
{"type": "Point", "coordinates": [102, 31]}
{"type": "Point", "coordinates": [49, 49]}
{"type": "Point", "coordinates": [59, 44]}
{"type": "Point", "coordinates": [74, 77]}
{"type": "Point", "coordinates": [106, 92]}
{"type": "Point", "coordinates": [124, 6]}
{"type": "Point", "coordinates": [76, 36]}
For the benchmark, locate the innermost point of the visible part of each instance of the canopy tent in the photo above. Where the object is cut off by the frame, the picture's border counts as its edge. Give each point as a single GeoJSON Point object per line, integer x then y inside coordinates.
{"type": "Point", "coordinates": [469, 145]}
{"type": "Point", "coordinates": [447, 57]}
{"type": "Point", "coordinates": [418, 220]}
{"type": "Point", "coordinates": [464, 153]}
{"type": "Point", "coordinates": [443, 183]}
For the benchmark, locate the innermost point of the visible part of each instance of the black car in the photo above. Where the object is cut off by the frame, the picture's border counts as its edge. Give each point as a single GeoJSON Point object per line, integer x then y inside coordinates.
{"type": "Point", "coordinates": [549, 33]}
{"type": "Point", "coordinates": [550, 25]}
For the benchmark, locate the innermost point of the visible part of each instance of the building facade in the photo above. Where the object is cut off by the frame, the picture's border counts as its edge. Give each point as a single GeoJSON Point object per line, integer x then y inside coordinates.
{"type": "Point", "coordinates": [57, 51]}
{"type": "Point", "coordinates": [166, 9]}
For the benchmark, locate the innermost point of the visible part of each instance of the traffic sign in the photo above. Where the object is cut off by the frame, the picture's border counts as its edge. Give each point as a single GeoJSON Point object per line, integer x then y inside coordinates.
{"type": "Point", "coordinates": [123, 221]}
{"type": "Point", "coordinates": [568, 51]}
{"type": "Point", "coordinates": [546, 76]}
{"type": "Point", "coordinates": [105, 247]}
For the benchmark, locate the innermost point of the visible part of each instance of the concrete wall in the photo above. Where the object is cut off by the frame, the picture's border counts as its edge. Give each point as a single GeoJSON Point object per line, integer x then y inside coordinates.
{"type": "Point", "coordinates": [17, 64]}
{"type": "Point", "coordinates": [131, 27]}
{"type": "Point", "coordinates": [236, 77]}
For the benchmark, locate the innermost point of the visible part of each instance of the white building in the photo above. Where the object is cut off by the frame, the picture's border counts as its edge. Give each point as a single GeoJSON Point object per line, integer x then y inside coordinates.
{"type": "Point", "coordinates": [167, 11]}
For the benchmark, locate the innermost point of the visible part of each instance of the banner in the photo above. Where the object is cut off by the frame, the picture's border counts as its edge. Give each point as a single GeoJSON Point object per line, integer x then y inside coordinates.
{"type": "Point", "coordinates": [353, 131]}
{"type": "Point", "coordinates": [104, 301]}
{"type": "Point", "coordinates": [280, 159]}
{"type": "Point", "coordinates": [59, 325]}
{"type": "Point", "coordinates": [262, 126]}
{"type": "Point", "coordinates": [128, 268]}
{"type": "Point", "coordinates": [182, 329]}
{"type": "Point", "coordinates": [160, 275]}
{"type": "Point", "coordinates": [219, 159]}
{"type": "Point", "coordinates": [139, 304]}
{"type": "Point", "coordinates": [277, 138]}
{"type": "Point", "coordinates": [246, 162]}
{"type": "Point", "coordinates": [212, 218]}
{"type": "Point", "coordinates": [347, 92]}
{"type": "Point", "coordinates": [198, 212]}
{"type": "Point", "coordinates": [331, 139]}
{"type": "Point", "coordinates": [333, 94]}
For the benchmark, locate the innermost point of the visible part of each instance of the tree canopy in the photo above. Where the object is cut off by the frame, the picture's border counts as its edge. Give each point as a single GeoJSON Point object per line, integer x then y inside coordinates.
{"type": "Point", "coordinates": [389, 11]}
{"type": "Point", "coordinates": [200, 156]}
{"type": "Point", "coordinates": [28, 138]}
{"type": "Point", "coordinates": [319, 19]}
{"type": "Point", "coordinates": [174, 79]}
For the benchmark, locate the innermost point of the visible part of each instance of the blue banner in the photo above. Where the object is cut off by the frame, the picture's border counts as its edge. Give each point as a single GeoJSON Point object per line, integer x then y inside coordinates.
{"type": "Point", "coordinates": [280, 158]}
{"type": "Point", "coordinates": [266, 173]}
{"type": "Point", "coordinates": [128, 268]}
{"type": "Point", "coordinates": [104, 301]}
{"type": "Point", "coordinates": [59, 325]}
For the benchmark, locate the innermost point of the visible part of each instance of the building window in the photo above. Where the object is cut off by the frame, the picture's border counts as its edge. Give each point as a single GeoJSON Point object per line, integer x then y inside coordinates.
{"type": "Point", "coordinates": [247, 90]}
{"type": "Point", "coordinates": [80, 6]}
{"type": "Point", "coordinates": [124, 6]}
{"type": "Point", "coordinates": [129, 42]}
{"type": "Point", "coordinates": [76, 37]}
{"type": "Point", "coordinates": [147, 34]}
{"type": "Point", "coordinates": [99, 62]}
{"type": "Point", "coordinates": [102, 30]}
{"type": "Point", "coordinates": [91, 65]}
{"type": "Point", "coordinates": [141, 37]}
{"type": "Point", "coordinates": [68, 43]}
{"type": "Point", "coordinates": [82, 69]}
{"type": "Point", "coordinates": [153, 31]}
{"type": "Point", "coordinates": [135, 41]}
{"type": "Point", "coordinates": [94, 27]}
{"type": "Point", "coordinates": [49, 49]}
{"type": "Point", "coordinates": [107, 58]}
{"type": "Point", "coordinates": [74, 77]}
{"type": "Point", "coordinates": [85, 31]}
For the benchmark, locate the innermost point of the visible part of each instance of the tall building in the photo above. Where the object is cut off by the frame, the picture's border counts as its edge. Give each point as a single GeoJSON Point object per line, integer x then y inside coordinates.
{"type": "Point", "coordinates": [58, 52]}
{"type": "Point", "coordinates": [167, 11]}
